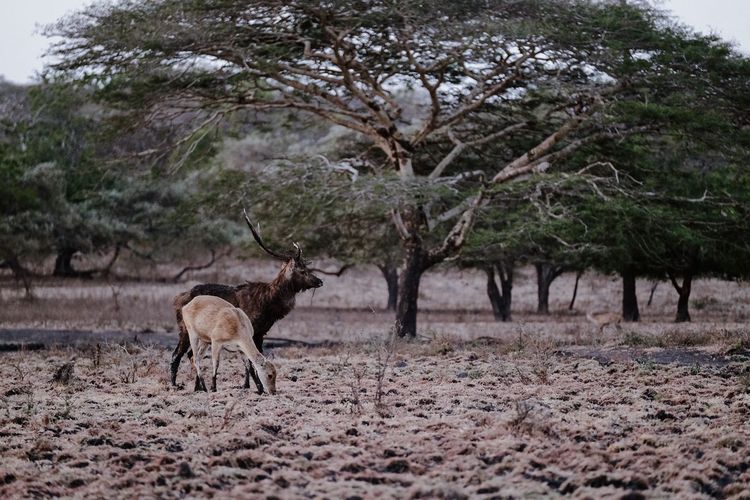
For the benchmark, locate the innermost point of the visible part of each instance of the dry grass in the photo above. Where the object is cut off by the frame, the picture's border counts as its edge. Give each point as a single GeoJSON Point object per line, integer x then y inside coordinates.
{"type": "Point", "coordinates": [475, 408]}
{"type": "Point", "coordinates": [451, 302]}
{"type": "Point", "coordinates": [475, 419]}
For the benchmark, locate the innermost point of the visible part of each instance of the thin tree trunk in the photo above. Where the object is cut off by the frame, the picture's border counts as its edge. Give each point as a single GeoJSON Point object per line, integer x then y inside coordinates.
{"type": "Point", "coordinates": [64, 263]}
{"type": "Point", "coordinates": [629, 299]}
{"type": "Point", "coordinates": [651, 295]}
{"type": "Point", "coordinates": [575, 290]}
{"type": "Point", "coordinates": [20, 274]}
{"type": "Point", "coordinates": [546, 273]}
{"type": "Point", "coordinates": [683, 313]}
{"type": "Point", "coordinates": [505, 273]}
{"type": "Point", "coordinates": [493, 293]}
{"type": "Point", "coordinates": [408, 289]}
{"type": "Point", "coordinates": [500, 298]}
{"type": "Point", "coordinates": [390, 273]}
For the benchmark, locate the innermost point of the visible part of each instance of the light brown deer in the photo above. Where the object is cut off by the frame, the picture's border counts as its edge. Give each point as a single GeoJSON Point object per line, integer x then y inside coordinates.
{"type": "Point", "coordinates": [604, 319]}
{"type": "Point", "coordinates": [214, 321]}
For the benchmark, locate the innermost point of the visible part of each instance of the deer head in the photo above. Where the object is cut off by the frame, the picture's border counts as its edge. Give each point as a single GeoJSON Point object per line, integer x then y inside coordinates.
{"type": "Point", "coordinates": [296, 268]}
{"type": "Point", "coordinates": [267, 373]}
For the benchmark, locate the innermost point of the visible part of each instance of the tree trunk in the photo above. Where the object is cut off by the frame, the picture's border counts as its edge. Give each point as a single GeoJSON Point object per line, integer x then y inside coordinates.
{"type": "Point", "coordinates": [64, 263]}
{"type": "Point", "coordinates": [629, 298]}
{"type": "Point", "coordinates": [408, 289]}
{"type": "Point", "coordinates": [390, 273]}
{"type": "Point", "coordinates": [546, 273]}
{"type": "Point", "coordinates": [493, 292]}
{"type": "Point", "coordinates": [505, 273]}
{"type": "Point", "coordinates": [20, 274]}
{"type": "Point", "coordinates": [500, 298]}
{"type": "Point", "coordinates": [575, 290]}
{"type": "Point", "coordinates": [683, 313]}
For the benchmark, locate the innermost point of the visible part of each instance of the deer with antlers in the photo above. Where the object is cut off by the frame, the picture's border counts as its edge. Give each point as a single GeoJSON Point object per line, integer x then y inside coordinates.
{"type": "Point", "coordinates": [264, 303]}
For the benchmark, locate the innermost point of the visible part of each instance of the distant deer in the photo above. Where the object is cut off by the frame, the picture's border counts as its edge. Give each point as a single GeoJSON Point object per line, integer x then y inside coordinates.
{"type": "Point", "coordinates": [214, 321]}
{"type": "Point", "coordinates": [604, 319]}
{"type": "Point", "coordinates": [264, 303]}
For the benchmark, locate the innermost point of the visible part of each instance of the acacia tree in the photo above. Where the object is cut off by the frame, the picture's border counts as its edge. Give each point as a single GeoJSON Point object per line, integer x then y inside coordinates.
{"type": "Point", "coordinates": [480, 73]}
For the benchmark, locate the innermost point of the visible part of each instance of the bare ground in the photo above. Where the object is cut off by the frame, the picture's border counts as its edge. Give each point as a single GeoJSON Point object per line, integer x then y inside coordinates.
{"type": "Point", "coordinates": [477, 419]}
{"type": "Point", "coordinates": [541, 407]}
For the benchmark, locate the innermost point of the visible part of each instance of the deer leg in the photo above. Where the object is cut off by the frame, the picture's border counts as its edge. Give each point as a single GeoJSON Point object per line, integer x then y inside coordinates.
{"type": "Point", "coordinates": [183, 345]}
{"type": "Point", "coordinates": [215, 351]}
{"type": "Point", "coordinates": [250, 369]}
{"type": "Point", "coordinates": [199, 384]}
{"type": "Point", "coordinates": [250, 372]}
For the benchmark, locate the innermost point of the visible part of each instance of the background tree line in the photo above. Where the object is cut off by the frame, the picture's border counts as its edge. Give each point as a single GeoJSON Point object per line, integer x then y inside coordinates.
{"type": "Point", "coordinates": [570, 135]}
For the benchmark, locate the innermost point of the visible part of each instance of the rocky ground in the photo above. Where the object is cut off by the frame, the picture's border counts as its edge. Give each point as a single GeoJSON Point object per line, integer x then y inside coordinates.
{"type": "Point", "coordinates": [442, 418]}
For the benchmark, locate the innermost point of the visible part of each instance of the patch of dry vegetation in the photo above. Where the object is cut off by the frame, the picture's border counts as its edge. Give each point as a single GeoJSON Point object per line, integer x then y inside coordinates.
{"type": "Point", "coordinates": [436, 419]}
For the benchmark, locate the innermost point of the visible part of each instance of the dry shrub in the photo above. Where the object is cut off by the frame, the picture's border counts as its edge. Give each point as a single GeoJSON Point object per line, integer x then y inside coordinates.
{"type": "Point", "coordinates": [64, 374]}
{"type": "Point", "coordinates": [356, 376]}
{"type": "Point", "coordinates": [440, 345]}
{"type": "Point", "coordinates": [542, 352]}
{"type": "Point", "coordinates": [95, 355]}
{"type": "Point", "coordinates": [353, 374]}
{"type": "Point", "coordinates": [520, 421]}
{"type": "Point", "coordinates": [383, 357]}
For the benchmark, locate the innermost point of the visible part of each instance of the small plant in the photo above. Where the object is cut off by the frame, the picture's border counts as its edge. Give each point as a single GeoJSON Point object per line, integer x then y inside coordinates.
{"type": "Point", "coordinates": [383, 356]}
{"type": "Point", "coordinates": [441, 345]}
{"type": "Point", "coordinates": [127, 374]}
{"type": "Point", "coordinates": [67, 406]}
{"type": "Point", "coordinates": [521, 340]}
{"type": "Point", "coordinates": [523, 409]}
{"type": "Point", "coordinates": [647, 366]}
{"type": "Point", "coordinates": [342, 368]}
{"type": "Point", "coordinates": [355, 389]}
{"type": "Point", "coordinates": [64, 374]}
{"type": "Point", "coordinates": [29, 404]}
{"type": "Point", "coordinates": [227, 421]}
{"type": "Point", "coordinates": [96, 356]}
{"type": "Point", "coordinates": [542, 352]}
{"type": "Point", "coordinates": [20, 375]}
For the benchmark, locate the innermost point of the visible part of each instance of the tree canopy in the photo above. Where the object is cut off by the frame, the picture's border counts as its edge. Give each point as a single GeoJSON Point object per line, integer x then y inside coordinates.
{"type": "Point", "coordinates": [449, 99]}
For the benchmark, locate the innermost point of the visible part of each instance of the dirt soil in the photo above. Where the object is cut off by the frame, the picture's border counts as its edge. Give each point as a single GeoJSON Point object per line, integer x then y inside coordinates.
{"type": "Point", "coordinates": [544, 406]}
{"type": "Point", "coordinates": [456, 419]}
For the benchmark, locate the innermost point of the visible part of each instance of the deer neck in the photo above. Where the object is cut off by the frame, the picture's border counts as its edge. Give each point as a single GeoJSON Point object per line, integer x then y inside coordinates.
{"type": "Point", "coordinates": [284, 290]}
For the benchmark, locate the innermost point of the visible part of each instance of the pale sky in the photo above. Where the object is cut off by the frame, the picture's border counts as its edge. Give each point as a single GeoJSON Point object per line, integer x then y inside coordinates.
{"type": "Point", "coordinates": [21, 47]}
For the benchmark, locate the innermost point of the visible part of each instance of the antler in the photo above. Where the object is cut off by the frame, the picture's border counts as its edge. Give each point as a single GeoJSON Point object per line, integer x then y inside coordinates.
{"type": "Point", "coordinates": [299, 251]}
{"type": "Point", "coordinates": [260, 241]}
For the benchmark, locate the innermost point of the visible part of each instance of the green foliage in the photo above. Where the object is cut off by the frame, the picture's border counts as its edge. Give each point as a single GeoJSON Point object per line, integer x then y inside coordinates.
{"type": "Point", "coordinates": [634, 116]}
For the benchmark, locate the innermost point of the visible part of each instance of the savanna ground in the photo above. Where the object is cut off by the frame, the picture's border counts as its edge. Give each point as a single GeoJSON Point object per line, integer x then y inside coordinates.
{"type": "Point", "coordinates": [543, 406]}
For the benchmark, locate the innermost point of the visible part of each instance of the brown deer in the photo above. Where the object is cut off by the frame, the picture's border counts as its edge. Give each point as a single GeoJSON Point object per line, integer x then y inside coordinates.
{"type": "Point", "coordinates": [212, 321]}
{"type": "Point", "coordinates": [603, 319]}
{"type": "Point", "coordinates": [264, 303]}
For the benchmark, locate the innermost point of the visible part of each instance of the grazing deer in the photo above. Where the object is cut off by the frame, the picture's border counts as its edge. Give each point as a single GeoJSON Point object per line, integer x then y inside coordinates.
{"type": "Point", "coordinates": [213, 321]}
{"type": "Point", "coordinates": [604, 319]}
{"type": "Point", "coordinates": [264, 303]}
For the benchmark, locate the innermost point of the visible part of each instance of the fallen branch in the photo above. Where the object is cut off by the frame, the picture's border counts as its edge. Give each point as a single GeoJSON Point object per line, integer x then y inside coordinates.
{"type": "Point", "coordinates": [214, 258]}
